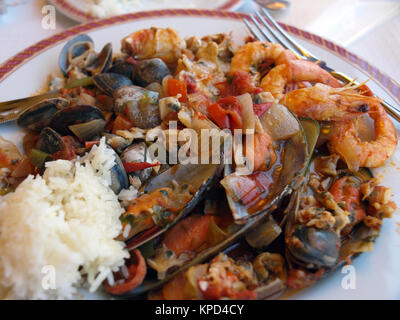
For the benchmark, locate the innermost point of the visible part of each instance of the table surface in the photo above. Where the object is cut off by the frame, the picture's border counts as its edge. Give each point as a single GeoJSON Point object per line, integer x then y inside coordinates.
{"type": "Point", "coordinates": [369, 28]}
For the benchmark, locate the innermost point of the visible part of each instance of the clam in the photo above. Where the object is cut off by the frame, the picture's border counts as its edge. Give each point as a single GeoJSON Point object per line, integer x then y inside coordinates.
{"type": "Point", "coordinates": [138, 153]}
{"type": "Point", "coordinates": [75, 47]}
{"type": "Point", "coordinates": [150, 70]}
{"type": "Point", "coordinates": [123, 68]}
{"type": "Point", "coordinates": [79, 53]}
{"type": "Point", "coordinates": [140, 104]}
{"type": "Point", "coordinates": [110, 82]}
{"type": "Point", "coordinates": [39, 116]}
{"type": "Point", "coordinates": [84, 121]}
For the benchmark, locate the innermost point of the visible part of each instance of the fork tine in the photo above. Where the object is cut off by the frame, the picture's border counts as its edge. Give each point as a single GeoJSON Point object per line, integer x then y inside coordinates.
{"type": "Point", "coordinates": [293, 44]}
{"type": "Point", "coordinates": [266, 33]}
{"type": "Point", "coordinates": [277, 37]}
{"type": "Point", "coordinates": [252, 30]}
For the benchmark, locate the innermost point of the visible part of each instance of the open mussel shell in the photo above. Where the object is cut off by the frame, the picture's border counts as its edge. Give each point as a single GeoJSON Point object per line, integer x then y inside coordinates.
{"type": "Point", "coordinates": [83, 120]}
{"type": "Point", "coordinates": [40, 115]}
{"type": "Point", "coordinates": [201, 177]}
{"type": "Point", "coordinates": [74, 47]}
{"type": "Point", "coordinates": [294, 163]}
{"type": "Point", "coordinates": [110, 82]}
{"type": "Point", "coordinates": [49, 141]}
{"type": "Point", "coordinates": [231, 240]}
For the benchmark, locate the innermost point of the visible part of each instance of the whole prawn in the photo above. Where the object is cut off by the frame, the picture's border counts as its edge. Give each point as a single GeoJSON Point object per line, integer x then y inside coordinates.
{"type": "Point", "coordinates": [357, 153]}
{"type": "Point", "coordinates": [324, 103]}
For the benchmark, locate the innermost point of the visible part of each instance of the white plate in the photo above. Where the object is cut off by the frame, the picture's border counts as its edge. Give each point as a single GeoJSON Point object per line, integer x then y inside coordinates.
{"type": "Point", "coordinates": [377, 272]}
{"type": "Point", "coordinates": [80, 10]}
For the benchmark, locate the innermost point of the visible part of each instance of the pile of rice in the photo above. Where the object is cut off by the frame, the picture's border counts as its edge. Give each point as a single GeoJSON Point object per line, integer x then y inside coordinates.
{"type": "Point", "coordinates": [66, 222]}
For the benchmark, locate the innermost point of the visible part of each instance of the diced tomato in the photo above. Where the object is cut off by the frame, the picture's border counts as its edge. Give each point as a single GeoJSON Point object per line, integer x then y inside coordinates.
{"type": "Point", "coordinates": [233, 110]}
{"type": "Point", "coordinates": [137, 166]}
{"type": "Point", "coordinates": [137, 272]}
{"type": "Point", "coordinates": [89, 144]}
{"type": "Point", "coordinates": [219, 116]}
{"type": "Point", "coordinates": [260, 109]}
{"type": "Point", "coordinates": [239, 83]}
{"type": "Point", "coordinates": [175, 87]}
{"type": "Point", "coordinates": [122, 123]}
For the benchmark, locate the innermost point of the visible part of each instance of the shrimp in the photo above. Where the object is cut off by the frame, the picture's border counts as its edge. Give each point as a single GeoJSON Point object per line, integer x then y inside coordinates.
{"type": "Point", "coordinates": [262, 155]}
{"type": "Point", "coordinates": [357, 153]}
{"type": "Point", "coordinates": [154, 43]}
{"type": "Point", "coordinates": [324, 103]}
{"type": "Point", "coordinates": [295, 71]}
{"type": "Point", "coordinates": [252, 55]}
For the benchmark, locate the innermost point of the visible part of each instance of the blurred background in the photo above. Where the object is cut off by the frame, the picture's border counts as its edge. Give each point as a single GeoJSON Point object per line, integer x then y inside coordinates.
{"type": "Point", "coordinates": [369, 28]}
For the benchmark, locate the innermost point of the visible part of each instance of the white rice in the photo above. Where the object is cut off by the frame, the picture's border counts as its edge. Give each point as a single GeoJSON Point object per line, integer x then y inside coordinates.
{"type": "Point", "coordinates": [66, 221]}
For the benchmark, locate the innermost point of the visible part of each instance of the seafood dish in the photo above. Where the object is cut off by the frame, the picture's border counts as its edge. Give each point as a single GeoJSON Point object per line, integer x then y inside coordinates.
{"type": "Point", "coordinates": [190, 168]}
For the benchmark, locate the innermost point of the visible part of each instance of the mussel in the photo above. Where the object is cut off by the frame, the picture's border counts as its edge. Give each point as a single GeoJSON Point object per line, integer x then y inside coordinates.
{"type": "Point", "coordinates": [199, 178]}
{"type": "Point", "coordinates": [150, 70]}
{"type": "Point", "coordinates": [79, 53]}
{"type": "Point", "coordinates": [39, 116]}
{"type": "Point", "coordinates": [49, 141]}
{"type": "Point", "coordinates": [293, 165]}
{"type": "Point", "coordinates": [140, 104]}
{"type": "Point", "coordinates": [84, 121]}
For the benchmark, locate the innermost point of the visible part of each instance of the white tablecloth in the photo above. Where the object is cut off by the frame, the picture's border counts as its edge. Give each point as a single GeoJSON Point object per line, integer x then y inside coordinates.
{"type": "Point", "coordinates": [369, 28]}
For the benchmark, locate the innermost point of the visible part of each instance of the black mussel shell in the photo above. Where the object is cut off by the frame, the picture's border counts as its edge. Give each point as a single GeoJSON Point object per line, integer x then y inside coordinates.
{"type": "Point", "coordinates": [39, 116]}
{"type": "Point", "coordinates": [74, 115]}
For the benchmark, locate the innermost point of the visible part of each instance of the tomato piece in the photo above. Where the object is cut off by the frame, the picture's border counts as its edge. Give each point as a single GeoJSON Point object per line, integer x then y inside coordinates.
{"type": "Point", "coordinates": [89, 144]}
{"type": "Point", "coordinates": [234, 110]}
{"type": "Point", "coordinates": [260, 109]}
{"type": "Point", "coordinates": [137, 166]}
{"type": "Point", "coordinates": [122, 123]}
{"type": "Point", "coordinates": [175, 87]}
{"type": "Point", "coordinates": [218, 115]}
{"type": "Point", "coordinates": [136, 266]}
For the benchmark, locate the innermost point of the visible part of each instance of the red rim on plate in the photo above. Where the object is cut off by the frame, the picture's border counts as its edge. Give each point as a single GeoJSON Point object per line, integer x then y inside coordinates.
{"type": "Point", "coordinates": [69, 10]}
{"type": "Point", "coordinates": [26, 55]}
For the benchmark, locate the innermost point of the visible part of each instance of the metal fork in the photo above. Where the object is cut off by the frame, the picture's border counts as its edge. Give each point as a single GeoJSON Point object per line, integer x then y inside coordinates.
{"type": "Point", "coordinates": [268, 29]}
